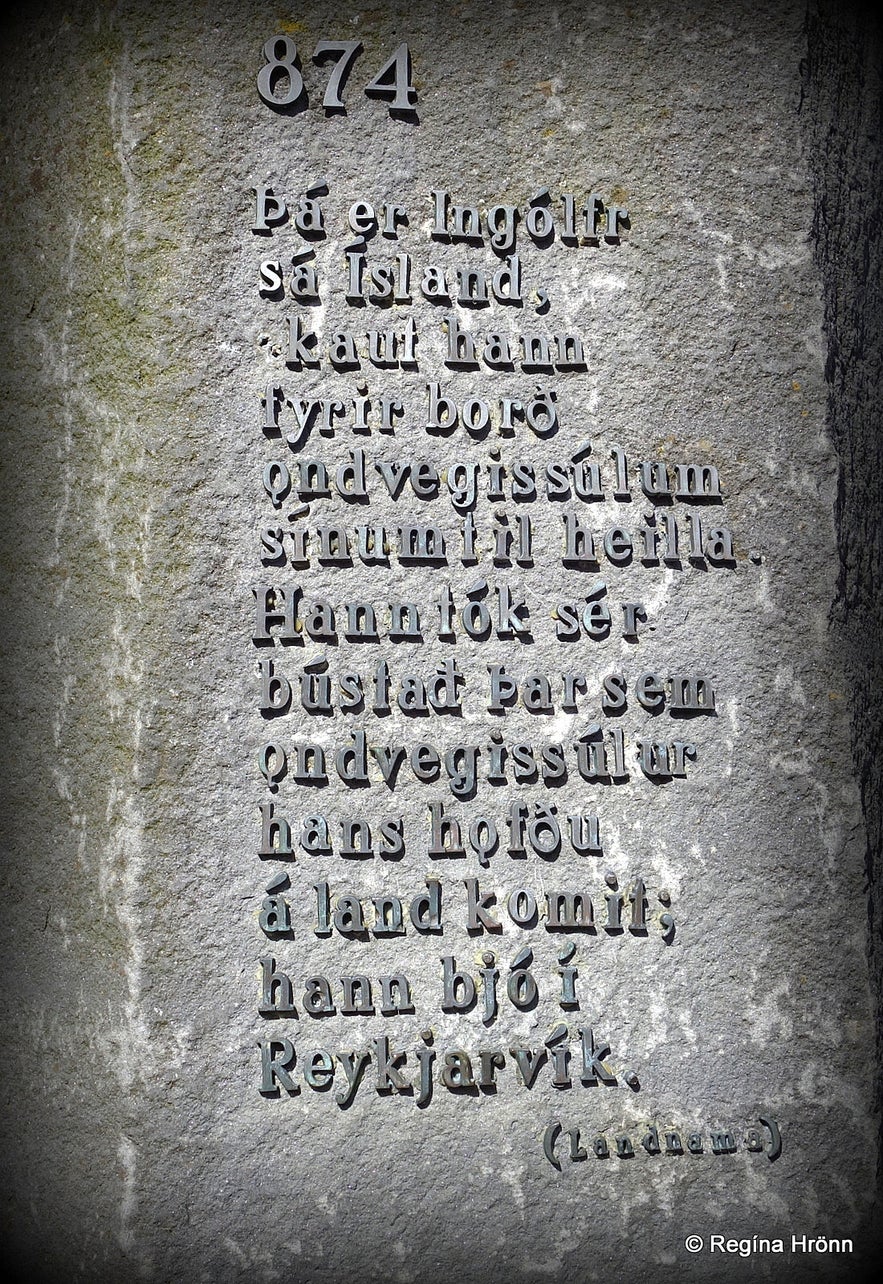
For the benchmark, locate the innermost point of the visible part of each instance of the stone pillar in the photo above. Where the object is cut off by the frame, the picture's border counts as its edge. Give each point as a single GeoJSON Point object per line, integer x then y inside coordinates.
{"type": "Point", "coordinates": [441, 576]}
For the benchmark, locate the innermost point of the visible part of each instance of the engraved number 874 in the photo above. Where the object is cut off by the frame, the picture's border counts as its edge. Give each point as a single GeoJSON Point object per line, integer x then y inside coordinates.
{"type": "Point", "coordinates": [393, 81]}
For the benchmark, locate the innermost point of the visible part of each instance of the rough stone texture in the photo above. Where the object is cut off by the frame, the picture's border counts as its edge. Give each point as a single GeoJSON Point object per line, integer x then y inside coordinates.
{"type": "Point", "coordinates": [735, 325]}
{"type": "Point", "coordinates": [845, 52]}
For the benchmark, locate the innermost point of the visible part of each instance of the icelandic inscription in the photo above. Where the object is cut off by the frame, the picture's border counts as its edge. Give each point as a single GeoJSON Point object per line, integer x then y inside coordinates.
{"type": "Point", "coordinates": [418, 410]}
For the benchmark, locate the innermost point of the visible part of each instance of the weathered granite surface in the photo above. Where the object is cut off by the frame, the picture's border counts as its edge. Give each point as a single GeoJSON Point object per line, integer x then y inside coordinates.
{"type": "Point", "coordinates": [734, 324]}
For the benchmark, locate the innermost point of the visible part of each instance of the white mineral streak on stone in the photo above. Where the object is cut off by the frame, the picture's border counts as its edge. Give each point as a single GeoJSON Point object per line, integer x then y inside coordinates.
{"type": "Point", "coordinates": [654, 596]}
{"type": "Point", "coordinates": [659, 1027]}
{"type": "Point", "coordinates": [706, 225]}
{"type": "Point", "coordinates": [128, 1159]}
{"type": "Point", "coordinates": [847, 1188]}
{"type": "Point", "coordinates": [758, 1195]}
{"type": "Point", "coordinates": [125, 142]}
{"type": "Point", "coordinates": [564, 726]}
{"type": "Point", "coordinates": [591, 399]}
{"type": "Point", "coordinates": [832, 824]}
{"type": "Point", "coordinates": [785, 680]}
{"type": "Point", "coordinates": [769, 1008]}
{"type": "Point", "coordinates": [56, 360]}
{"type": "Point", "coordinates": [236, 1251]}
{"type": "Point", "coordinates": [121, 856]}
{"type": "Point", "coordinates": [550, 1267]}
{"type": "Point", "coordinates": [814, 342]}
{"type": "Point", "coordinates": [328, 1205]}
{"type": "Point", "coordinates": [795, 765]}
{"type": "Point", "coordinates": [722, 261]}
{"type": "Point", "coordinates": [317, 317]}
{"type": "Point", "coordinates": [773, 257]}
{"type": "Point", "coordinates": [552, 89]}
{"type": "Point", "coordinates": [667, 874]}
{"type": "Point", "coordinates": [805, 480]}
{"type": "Point", "coordinates": [731, 710]}
{"type": "Point", "coordinates": [723, 280]}
{"type": "Point", "coordinates": [685, 1026]}
{"type": "Point", "coordinates": [763, 592]}
{"type": "Point", "coordinates": [629, 1210]}
{"type": "Point", "coordinates": [611, 840]}
{"type": "Point", "coordinates": [697, 860]}
{"type": "Point", "coordinates": [603, 283]}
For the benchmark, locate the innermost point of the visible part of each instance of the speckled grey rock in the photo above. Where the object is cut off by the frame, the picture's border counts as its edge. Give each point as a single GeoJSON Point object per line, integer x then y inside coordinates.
{"type": "Point", "coordinates": [733, 325]}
